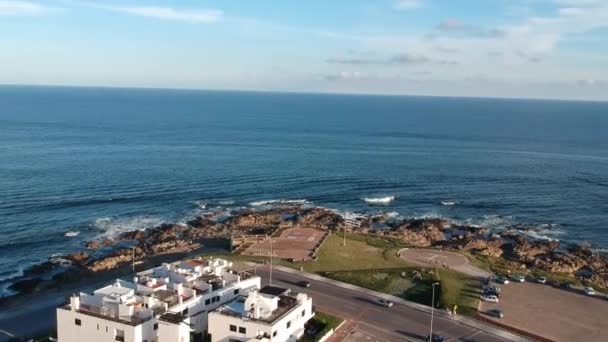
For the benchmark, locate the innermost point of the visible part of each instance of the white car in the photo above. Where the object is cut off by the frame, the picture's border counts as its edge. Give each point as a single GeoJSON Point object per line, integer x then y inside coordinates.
{"type": "Point", "coordinates": [589, 291]}
{"type": "Point", "coordinates": [541, 280]}
{"type": "Point", "coordinates": [489, 298]}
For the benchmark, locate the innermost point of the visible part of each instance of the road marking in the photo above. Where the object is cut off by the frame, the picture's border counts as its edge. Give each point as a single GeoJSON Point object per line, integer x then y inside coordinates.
{"type": "Point", "coordinates": [373, 327]}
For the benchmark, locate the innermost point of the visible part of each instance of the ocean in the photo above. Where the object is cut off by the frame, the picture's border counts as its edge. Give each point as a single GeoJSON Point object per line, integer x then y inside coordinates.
{"type": "Point", "coordinates": [96, 161]}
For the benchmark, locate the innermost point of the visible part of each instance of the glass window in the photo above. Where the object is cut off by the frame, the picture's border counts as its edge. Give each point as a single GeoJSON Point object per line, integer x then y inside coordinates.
{"type": "Point", "coordinates": [232, 327]}
{"type": "Point", "coordinates": [288, 324]}
{"type": "Point", "coordinates": [77, 322]}
{"type": "Point", "coordinates": [242, 330]}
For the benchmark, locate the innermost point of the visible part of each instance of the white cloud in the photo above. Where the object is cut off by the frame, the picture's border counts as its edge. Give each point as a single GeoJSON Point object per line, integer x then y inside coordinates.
{"type": "Point", "coordinates": [404, 5]}
{"type": "Point", "coordinates": [168, 13]}
{"type": "Point", "coordinates": [20, 8]}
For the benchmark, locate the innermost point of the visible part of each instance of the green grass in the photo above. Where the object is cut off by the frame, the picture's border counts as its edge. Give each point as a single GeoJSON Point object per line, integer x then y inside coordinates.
{"type": "Point", "coordinates": [455, 288]}
{"type": "Point", "coordinates": [327, 321]}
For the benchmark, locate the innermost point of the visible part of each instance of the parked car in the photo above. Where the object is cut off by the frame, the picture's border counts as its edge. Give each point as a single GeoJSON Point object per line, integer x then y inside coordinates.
{"type": "Point", "coordinates": [304, 283]}
{"type": "Point", "coordinates": [501, 280]}
{"type": "Point", "coordinates": [385, 303]}
{"type": "Point", "coordinates": [589, 291]}
{"type": "Point", "coordinates": [489, 298]}
{"type": "Point", "coordinates": [520, 278]}
{"type": "Point", "coordinates": [496, 313]}
{"type": "Point", "coordinates": [491, 293]}
{"type": "Point", "coordinates": [434, 338]}
{"type": "Point", "coordinates": [491, 288]}
{"type": "Point", "coordinates": [541, 280]}
{"type": "Point", "coordinates": [567, 285]}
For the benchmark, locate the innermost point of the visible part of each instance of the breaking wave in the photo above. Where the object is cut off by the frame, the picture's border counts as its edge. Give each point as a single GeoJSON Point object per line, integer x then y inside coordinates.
{"type": "Point", "coordinates": [112, 227]}
{"type": "Point", "coordinates": [379, 200]}
{"type": "Point", "coordinates": [278, 201]}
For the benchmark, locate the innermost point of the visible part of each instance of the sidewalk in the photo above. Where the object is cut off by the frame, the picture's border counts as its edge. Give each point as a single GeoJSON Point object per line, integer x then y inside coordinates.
{"type": "Point", "coordinates": [461, 319]}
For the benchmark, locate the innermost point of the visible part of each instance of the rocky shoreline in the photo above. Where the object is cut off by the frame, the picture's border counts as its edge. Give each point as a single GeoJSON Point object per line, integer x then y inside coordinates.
{"type": "Point", "coordinates": [177, 240]}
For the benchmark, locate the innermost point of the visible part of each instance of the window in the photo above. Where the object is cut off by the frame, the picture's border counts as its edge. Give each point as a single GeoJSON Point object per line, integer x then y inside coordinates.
{"type": "Point", "coordinates": [303, 313]}
{"type": "Point", "coordinates": [274, 334]}
{"type": "Point", "coordinates": [155, 326]}
{"type": "Point", "coordinates": [236, 292]}
{"type": "Point", "coordinates": [288, 324]}
{"type": "Point", "coordinates": [78, 322]}
{"type": "Point", "coordinates": [232, 327]}
{"type": "Point", "coordinates": [185, 312]}
{"type": "Point", "coordinates": [207, 301]}
{"type": "Point", "coordinates": [97, 326]}
{"type": "Point", "coordinates": [119, 335]}
{"type": "Point", "coordinates": [242, 330]}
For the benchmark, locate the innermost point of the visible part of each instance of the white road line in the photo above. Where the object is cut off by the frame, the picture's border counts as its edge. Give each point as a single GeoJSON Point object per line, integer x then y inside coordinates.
{"type": "Point", "coordinates": [6, 333]}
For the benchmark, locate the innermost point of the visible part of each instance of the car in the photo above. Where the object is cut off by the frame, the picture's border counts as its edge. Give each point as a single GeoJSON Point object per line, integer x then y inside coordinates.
{"type": "Point", "coordinates": [520, 278]}
{"type": "Point", "coordinates": [501, 280]}
{"type": "Point", "coordinates": [489, 298]}
{"type": "Point", "coordinates": [491, 288]}
{"type": "Point", "coordinates": [496, 313]}
{"type": "Point", "coordinates": [589, 291]}
{"type": "Point", "coordinates": [386, 303]}
{"type": "Point", "coordinates": [434, 338]}
{"type": "Point", "coordinates": [304, 283]}
{"type": "Point", "coordinates": [491, 293]}
{"type": "Point", "coordinates": [541, 280]}
{"type": "Point", "coordinates": [567, 285]}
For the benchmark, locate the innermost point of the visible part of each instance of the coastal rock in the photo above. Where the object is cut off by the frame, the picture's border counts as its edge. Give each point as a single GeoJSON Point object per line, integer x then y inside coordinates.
{"type": "Point", "coordinates": [79, 258]}
{"type": "Point", "coordinates": [320, 218]}
{"type": "Point", "coordinates": [249, 219]}
{"type": "Point", "coordinates": [493, 248]}
{"type": "Point", "coordinates": [526, 251]}
{"type": "Point", "coordinates": [201, 222]}
{"type": "Point", "coordinates": [116, 259]}
{"type": "Point", "coordinates": [139, 235]}
{"type": "Point", "coordinates": [96, 244]}
{"type": "Point", "coordinates": [421, 232]}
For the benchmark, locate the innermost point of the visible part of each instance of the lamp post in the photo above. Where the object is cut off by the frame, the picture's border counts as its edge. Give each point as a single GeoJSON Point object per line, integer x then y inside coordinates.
{"type": "Point", "coordinates": [270, 260]}
{"type": "Point", "coordinates": [432, 311]}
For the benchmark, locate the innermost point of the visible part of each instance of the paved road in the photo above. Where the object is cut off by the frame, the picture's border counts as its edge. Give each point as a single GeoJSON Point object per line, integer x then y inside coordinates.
{"type": "Point", "coordinates": [399, 323]}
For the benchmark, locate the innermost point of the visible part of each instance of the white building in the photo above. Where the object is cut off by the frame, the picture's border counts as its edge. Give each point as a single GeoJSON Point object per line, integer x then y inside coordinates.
{"type": "Point", "coordinates": [270, 314]}
{"type": "Point", "coordinates": [166, 303]}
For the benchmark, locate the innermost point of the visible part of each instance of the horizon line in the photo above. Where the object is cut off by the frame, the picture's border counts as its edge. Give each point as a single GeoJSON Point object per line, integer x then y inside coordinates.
{"type": "Point", "coordinates": [301, 92]}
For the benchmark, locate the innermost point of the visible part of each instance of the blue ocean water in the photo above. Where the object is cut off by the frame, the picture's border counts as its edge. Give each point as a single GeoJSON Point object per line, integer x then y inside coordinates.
{"type": "Point", "coordinates": [99, 161]}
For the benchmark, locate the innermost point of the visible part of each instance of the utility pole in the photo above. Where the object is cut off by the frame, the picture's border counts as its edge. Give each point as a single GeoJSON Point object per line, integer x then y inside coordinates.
{"type": "Point", "coordinates": [270, 260]}
{"type": "Point", "coordinates": [133, 258]}
{"type": "Point", "coordinates": [432, 311]}
{"type": "Point", "coordinates": [344, 236]}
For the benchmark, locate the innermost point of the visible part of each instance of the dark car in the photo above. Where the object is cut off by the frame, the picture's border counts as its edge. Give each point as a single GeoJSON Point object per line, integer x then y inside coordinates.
{"type": "Point", "coordinates": [567, 285]}
{"type": "Point", "coordinates": [304, 283]}
{"type": "Point", "coordinates": [496, 313]}
{"type": "Point", "coordinates": [435, 338]}
{"type": "Point", "coordinates": [502, 280]}
{"type": "Point", "coordinates": [491, 293]}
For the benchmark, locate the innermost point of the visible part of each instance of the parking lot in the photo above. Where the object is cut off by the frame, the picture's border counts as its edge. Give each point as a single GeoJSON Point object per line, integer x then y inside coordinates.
{"type": "Point", "coordinates": [294, 243]}
{"type": "Point", "coordinates": [554, 313]}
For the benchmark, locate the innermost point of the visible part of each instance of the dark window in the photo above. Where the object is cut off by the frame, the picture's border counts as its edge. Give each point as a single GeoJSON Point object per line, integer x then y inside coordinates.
{"type": "Point", "coordinates": [288, 324]}
{"type": "Point", "coordinates": [242, 330]}
{"type": "Point", "coordinates": [274, 334]}
{"type": "Point", "coordinates": [185, 312]}
{"type": "Point", "coordinates": [97, 326]}
{"type": "Point", "coordinates": [232, 327]}
{"type": "Point", "coordinates": [207, 301]}
{"type": "Point", "coordinates": [155, 326]}
{"type": "Point", "coordinates": [303, 313]}
{"type": "Point", "coordinates": [236, 291]}
{"type": "Point", "coordinates": [77, 322]}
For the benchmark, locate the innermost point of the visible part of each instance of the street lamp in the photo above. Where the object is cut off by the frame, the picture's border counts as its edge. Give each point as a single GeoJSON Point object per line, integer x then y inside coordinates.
{"type": "Point", "coordinates": [432, 311]}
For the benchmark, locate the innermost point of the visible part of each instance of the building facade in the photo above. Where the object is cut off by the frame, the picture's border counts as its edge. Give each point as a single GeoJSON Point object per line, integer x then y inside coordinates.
{"type": "Point", "coordinates": [166, 303]}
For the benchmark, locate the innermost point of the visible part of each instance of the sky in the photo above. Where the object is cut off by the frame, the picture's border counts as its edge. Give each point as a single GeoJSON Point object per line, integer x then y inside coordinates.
{"type": "Point", "coordinates": [481, 48]}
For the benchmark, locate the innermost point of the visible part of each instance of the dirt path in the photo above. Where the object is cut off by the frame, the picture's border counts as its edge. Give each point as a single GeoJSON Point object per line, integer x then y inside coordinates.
{"type": "Point", "coordinates": [439, 258]}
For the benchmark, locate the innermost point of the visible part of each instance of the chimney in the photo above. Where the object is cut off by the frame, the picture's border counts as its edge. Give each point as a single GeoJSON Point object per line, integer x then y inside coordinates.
{"type": "Point", "coordinates": [75, 302]}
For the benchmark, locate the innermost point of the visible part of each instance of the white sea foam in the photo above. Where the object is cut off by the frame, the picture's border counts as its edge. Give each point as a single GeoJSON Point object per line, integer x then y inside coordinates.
{"type": "Point", "coordinates": [72, 233]}
{"type": "Point", "coordinates": [227, 202]}
{"type": "Point", "coordinates": [379, 200]}
{"type": "Point", "coordinates": [115, 226]}
{"type": "Point", "coordinates": [277, 201]}
{"type": "Point", "coordinates": [448, 204]}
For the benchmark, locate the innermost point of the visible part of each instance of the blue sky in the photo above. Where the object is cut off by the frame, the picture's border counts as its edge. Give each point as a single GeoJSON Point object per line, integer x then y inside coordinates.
{"type": "Point", "coordinates": [498, 48]}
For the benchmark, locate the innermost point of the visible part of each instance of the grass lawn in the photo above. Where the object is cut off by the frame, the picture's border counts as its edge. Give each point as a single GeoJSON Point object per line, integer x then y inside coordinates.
{"type": "Point", "coordinates": [455, 288]}
{"type": "Point", "coordinates": [326, 321]}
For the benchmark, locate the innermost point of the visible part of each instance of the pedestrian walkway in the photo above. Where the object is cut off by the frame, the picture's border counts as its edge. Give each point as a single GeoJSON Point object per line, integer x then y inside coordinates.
{"type": "Point", "coordinates": [343, 331]}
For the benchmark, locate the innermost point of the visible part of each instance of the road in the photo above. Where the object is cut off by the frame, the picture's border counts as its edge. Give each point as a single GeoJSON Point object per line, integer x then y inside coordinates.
{"type": "Point", "coordinates": [399, 323]}
{"type": "Point", "coordinates": [376, 323]}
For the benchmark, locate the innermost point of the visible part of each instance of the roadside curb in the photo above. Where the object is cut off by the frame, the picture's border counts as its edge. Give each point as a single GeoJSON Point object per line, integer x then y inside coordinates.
{"type": "Point", "coordinates": [490, 329]}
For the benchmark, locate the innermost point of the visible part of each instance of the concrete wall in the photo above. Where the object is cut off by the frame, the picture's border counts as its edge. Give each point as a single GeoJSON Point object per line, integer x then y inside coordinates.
{"type": "Point", "coordinates": [92, 329]}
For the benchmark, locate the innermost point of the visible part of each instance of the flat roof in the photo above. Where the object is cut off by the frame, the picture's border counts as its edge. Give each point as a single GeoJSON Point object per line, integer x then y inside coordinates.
{"type": "Point", "coordinates": [273, 290]}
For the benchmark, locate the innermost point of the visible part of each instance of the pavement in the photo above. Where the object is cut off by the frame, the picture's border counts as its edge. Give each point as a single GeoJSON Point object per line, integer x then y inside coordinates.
{"type": "Point", "coordinates": [398, 323]}
{"type": "Point", "coordinates": [439, 258]}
